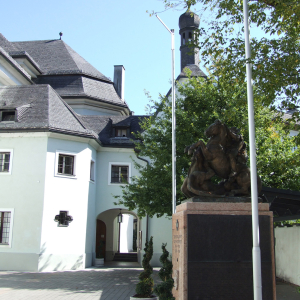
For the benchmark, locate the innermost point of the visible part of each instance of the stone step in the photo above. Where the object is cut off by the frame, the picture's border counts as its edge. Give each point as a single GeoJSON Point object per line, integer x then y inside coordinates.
{"type": "Point", "coordinates": [131, 257]}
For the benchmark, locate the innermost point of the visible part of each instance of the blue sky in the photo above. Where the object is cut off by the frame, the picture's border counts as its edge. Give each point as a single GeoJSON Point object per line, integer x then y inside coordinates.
{"type": "Point", "coordinates": [105, 33]}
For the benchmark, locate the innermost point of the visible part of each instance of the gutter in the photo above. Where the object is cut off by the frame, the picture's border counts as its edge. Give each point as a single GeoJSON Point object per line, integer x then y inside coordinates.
{"type": "Point", "coordinates": [147, 217]}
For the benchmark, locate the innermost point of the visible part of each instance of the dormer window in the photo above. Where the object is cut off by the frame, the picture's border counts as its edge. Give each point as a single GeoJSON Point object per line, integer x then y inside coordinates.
{"type": "Point", "coordinates": [120, 132]}
{"type": "Point", "coordinates": [7, 115]}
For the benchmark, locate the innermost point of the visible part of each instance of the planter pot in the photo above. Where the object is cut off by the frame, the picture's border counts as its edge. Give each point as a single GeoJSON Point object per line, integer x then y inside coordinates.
{"type": "Point", "coordinates": [99, 262]}
{"type": "Point", "coordinates": [136, 298]}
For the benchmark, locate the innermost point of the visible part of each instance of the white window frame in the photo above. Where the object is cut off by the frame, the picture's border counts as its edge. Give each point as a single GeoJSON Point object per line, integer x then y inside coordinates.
{"type": "Point", "coordinates": [11, 210]}
{"type": "Point", "coordinates": [110, 164]}
{"type": "Point", "coordinates": [92, 171]}
{"type": "Point", "coordinates": [56, 174]}
{"type": "Point", "coordinates": [11, 151]}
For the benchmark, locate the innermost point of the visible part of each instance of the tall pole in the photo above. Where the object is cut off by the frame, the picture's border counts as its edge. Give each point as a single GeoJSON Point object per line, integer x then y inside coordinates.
{"type": "Point", "coordinates": [173, 120]}
{"type": "Point", "coordinates": [256, 256]}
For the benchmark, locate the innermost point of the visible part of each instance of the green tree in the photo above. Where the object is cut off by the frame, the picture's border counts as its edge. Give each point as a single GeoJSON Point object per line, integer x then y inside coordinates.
{"type": "Point", "coordinates": [275, 54]}
{"type": "Point", "coordinates": [202, 101]}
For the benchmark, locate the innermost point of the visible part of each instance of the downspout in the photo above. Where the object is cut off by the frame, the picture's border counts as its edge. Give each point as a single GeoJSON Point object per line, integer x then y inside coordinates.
{"type": "Point", "coordinates": [147, 217]}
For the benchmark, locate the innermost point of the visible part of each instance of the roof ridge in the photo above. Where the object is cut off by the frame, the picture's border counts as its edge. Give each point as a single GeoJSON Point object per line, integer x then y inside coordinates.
{"type": "Point", "coordinates": [50, 40]}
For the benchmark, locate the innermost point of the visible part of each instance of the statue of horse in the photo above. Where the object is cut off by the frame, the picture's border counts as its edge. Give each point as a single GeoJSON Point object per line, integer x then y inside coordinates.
{"type": "Point", "coordinates": [214, 152]}
{"type": "Point", "coordinates": [198, 179]}
{"type": "Point", "coordinates": [225, 156]}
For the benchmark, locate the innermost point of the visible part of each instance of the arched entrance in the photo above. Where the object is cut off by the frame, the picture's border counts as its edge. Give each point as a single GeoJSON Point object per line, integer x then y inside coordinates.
{"type": "Point", "coordinates": [117, 237]}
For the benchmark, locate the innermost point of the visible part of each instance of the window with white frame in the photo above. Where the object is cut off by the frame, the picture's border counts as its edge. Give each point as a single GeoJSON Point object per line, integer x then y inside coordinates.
{"type": "Point", "coordinates": [65, 164]}
{"type": "Point", "coordinates": [5, 161]}
{"type": "Point", "coordinates": [119, 173]}
{"type": "Point", "coordinates": [92, 171]}
{"type": "Point", "coordinates": [6, 217]}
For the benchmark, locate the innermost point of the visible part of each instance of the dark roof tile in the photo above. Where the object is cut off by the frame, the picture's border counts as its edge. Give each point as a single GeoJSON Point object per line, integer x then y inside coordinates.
{"type": "Point", "coordinates": [40, 107]}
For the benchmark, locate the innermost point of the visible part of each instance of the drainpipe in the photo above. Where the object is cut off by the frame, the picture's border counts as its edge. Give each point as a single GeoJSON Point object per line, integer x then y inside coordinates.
{"type": "Point", "coordinates": [147, 217]}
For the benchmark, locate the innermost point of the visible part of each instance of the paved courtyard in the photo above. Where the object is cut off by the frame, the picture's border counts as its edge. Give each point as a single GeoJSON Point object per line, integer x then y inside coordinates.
{"type": "Point", "coordinates": [90, 284]}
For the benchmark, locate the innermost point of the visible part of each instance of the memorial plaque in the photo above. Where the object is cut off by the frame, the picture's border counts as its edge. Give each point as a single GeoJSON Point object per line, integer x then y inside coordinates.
{"type": "Point", "coordinates": [220, 257]}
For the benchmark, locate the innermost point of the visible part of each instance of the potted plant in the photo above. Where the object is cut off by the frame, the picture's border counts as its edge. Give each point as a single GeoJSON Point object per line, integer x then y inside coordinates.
{"type": "Point", "coordinates": [99, 260]}
{"type": "Point", "coordinates": [144, 288]}
{"type": "Point", "coordinates": [164, 289]}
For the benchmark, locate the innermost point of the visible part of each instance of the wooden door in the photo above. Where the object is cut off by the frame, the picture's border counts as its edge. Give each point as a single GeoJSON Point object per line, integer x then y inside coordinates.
{"type": "Point", "coordinates": [100, 239]}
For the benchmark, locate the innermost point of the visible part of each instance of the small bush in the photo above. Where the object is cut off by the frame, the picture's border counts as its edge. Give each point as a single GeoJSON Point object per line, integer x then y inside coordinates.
{"type": "Point", "coordinates": [164, 289]}
{"type": "Point", "coordinates": [144, 288]}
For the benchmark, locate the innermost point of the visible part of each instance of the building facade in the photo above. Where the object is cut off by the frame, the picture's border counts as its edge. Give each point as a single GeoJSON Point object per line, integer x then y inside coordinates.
{"type": "Point", "coordinates": [66, 148]}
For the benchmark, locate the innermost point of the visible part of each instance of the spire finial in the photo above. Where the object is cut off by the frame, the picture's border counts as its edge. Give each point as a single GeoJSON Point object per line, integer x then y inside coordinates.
{"type": "Point", "coordinates": [60, 35]}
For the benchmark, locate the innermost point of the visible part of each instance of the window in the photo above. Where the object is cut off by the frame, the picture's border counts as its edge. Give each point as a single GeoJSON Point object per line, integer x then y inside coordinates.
{"type": "Point", "coordinates": [92, 171]}
{"type": "Point", "coordinates": [119, 173]}
{"type": "Point", "coordinates": [121, 132]}
{"type": "Point", "coordinates": [7, 115]}
{"type": "Point", "coordinates": [183, 39]}
{"type": "Point", "coordinates": [6, 217]}
{"type": "Point", "coordinates": [65, 164]}
{"type": "Point", "coordinates": [5, 161]}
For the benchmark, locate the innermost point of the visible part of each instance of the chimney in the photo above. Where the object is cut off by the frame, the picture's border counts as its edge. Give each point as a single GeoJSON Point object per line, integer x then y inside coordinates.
{"type": "Point", "coordinates": [119, 80]}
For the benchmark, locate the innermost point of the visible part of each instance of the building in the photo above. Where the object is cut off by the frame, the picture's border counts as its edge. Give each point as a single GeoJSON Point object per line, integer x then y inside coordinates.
{"type": "Point", "coordinates": [66, 147]}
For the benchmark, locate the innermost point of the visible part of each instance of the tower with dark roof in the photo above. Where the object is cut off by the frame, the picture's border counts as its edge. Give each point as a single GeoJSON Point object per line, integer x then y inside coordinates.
{"type": "Point", "coordinates": [188, 22]}
{"type": "Point", "coordinates": [189, 57]}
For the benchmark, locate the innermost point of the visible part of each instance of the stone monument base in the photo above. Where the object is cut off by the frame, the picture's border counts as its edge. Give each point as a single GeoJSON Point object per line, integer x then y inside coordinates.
{"type": "Point", "coordinates": [212, 251]}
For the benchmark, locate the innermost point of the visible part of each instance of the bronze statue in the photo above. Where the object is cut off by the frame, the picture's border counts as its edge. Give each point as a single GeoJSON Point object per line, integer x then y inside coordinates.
{"type": "Point", "coordinates": [225, 156]}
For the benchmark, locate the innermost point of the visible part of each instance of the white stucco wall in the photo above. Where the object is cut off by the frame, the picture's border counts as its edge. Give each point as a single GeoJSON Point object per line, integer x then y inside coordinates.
{"type": "Point", "coordinates": [287, 245]}
{"type": "Point", "coordinates": [105, 190]}
{"type": "Point", "coordinates": [23, 190]}
{"type": "Point", "coordinates": [71, 247]}
{"type": "Point", "coordinates": [161, 230]}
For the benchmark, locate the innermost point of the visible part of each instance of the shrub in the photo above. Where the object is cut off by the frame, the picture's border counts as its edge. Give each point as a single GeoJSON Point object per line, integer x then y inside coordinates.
{"type": "Point", "coordinates": [164, 289]}
{"type": "Point", "coordinates": [144, 288]}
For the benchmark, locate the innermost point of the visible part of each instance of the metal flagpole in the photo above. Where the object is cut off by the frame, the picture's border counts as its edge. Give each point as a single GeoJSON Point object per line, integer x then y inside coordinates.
{"type": "Point", "coordinates": [173, 121]}
{"type": "Point", "coordinates": [256, 257]}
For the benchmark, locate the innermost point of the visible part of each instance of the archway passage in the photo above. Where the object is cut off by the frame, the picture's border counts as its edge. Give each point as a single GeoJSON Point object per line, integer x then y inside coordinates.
{"type": "Point", "coordinates": [127, 250]}
{"type": "Point", "coordinates": [118, 237]}
{"type": "Point", "coordinates": [100, 239]}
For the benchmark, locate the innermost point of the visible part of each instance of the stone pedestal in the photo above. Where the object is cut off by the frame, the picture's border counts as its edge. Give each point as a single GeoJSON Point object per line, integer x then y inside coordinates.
{"type": "Point", "coordinates": [212, 251]}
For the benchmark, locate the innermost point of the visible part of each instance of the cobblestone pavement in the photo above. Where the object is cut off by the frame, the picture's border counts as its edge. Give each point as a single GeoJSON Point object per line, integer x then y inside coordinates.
{"type": "Point", "coordinates": [89, 284]}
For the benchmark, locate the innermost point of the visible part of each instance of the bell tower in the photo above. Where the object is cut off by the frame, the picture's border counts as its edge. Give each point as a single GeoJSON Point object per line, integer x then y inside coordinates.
{"type": "Point", "coordinates": [188, 22]}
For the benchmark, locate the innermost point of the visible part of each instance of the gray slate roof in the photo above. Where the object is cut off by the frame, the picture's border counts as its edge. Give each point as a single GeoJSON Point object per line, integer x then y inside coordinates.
{"type": "Point", "coordinates": [56, 57]}
{"type": "Point", "coordinates": [80, 86]}
{"type": "Point", "coordinates": [39, 107]}
{"type": "Point", "coordinates": [103, 127]}
{"type": "Point", "coordinates": [6, 45]}
{"type": "Point", "coordinates": [196, 72]}
{"type": "Point", "coordinates": [65, 70]}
